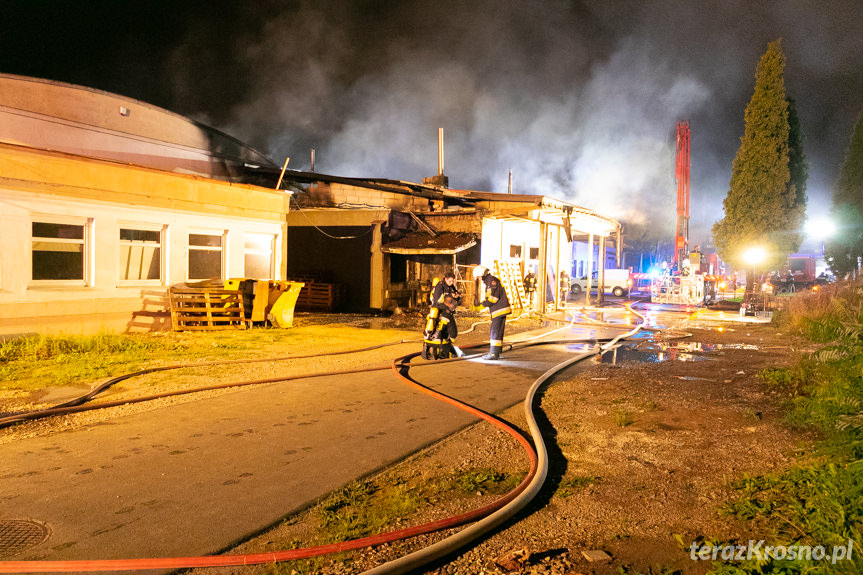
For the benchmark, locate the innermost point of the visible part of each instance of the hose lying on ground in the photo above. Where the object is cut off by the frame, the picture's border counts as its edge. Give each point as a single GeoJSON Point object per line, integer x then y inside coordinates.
{"type": "Point", "coordinates": [480, 528]}
{"type": "Point", "coordinates": [64, 408]}
{"type": "Point", "coordinates": [494, 513]}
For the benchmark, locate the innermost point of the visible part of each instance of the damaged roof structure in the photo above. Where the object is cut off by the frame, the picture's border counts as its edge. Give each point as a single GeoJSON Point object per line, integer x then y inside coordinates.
{"type": "Point", "coordinates": [387, 239]}
{"type": "Point", "coordinates": [107, 201]}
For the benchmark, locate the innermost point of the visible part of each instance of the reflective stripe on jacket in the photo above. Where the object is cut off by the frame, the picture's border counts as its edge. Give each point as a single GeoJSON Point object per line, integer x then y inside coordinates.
{"type": "Point", "coordinates": [495, 297]}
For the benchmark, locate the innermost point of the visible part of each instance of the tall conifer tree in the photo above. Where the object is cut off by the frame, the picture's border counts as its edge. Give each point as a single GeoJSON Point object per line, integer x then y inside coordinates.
{"type": "Point", "coordinates": [764, 206]}
{"type": "Point", "coordinates": [846, 247]}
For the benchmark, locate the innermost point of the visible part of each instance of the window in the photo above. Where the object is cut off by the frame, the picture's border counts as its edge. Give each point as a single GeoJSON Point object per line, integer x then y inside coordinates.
{"type": "Point", "coordinates": [534, 253]}
{"type": "Point", "coordinates": [205, 256]}
{"type": "Point", "coordinates": [515, 251]}
{"type": "Point", "coordinates": [140, 254]}
{"type": "Point", "coordinates": [58, 251]}
{"type": "Point", "coordinates": [258, 258]}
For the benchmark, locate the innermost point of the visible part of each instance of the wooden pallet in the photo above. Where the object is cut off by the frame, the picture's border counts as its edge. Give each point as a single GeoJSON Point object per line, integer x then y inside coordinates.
{"type": "Point", "coordinates": [205, 309]}
{"type": "Point", "coordinates": [319, 297]}
{"type": "Point", "coordinates": [509, 274]}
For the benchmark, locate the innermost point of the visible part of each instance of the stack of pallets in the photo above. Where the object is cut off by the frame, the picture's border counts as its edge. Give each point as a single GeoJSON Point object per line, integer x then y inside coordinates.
{"type": "Point", "coordinates": [509, 274]}
{"type": "Point", "coordinates": [318, 295]}
{"type": "Point", "coordinates": [206, 308]}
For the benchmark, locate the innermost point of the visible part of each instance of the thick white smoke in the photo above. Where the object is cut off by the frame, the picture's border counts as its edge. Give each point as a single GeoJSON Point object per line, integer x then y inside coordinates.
{"type": "Point", "coordinates": [579, 101]}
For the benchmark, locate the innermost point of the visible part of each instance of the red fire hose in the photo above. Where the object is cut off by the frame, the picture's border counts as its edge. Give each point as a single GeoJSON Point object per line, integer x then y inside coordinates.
{"type": "Point", "coordinates": [400, 368]}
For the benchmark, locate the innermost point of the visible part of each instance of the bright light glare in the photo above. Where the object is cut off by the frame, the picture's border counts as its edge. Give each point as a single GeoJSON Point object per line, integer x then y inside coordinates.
{"type": "Point", "coordinates": [820, 228]}
{"type": "Point", "coordinates": [754, 255]}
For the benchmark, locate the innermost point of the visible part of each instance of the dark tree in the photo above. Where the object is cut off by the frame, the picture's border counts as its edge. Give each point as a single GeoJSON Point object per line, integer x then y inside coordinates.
{"type": "Point", "coordinates": [845, 249]}
{"type": "Point", "coordinates": [764, 206]}
{"type": "Point", "coordinates": [798, 168]}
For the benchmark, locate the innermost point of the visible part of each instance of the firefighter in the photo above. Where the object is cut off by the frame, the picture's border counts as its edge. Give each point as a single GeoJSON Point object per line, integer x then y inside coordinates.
{"type": "Point", "coordinates": [530, 286]}
{"type": "Point", "coordinates": [444, 287]}
{"type": "Point", "coordinates": [498, 305]}
{"type": "Point", "coordinates": [564, 287]}
{"type": "Point", "coordinates": [440, 329]}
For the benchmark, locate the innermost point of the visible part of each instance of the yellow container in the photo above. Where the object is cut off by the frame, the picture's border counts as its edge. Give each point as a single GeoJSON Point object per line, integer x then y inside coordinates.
{"type": "Point", "coordinates": [268, 300]}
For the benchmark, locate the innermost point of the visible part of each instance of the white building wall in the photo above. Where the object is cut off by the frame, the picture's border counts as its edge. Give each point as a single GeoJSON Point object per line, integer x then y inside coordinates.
{"type": "Point", "coordinates": [103, 288]}
{"type": "Point", "coordinates": [490, 248]}
{"type": "Point", "coordinates": [498, 237]}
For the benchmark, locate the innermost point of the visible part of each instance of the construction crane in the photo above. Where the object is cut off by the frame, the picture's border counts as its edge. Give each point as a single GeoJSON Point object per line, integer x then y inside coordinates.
{"type": "Point", "coordinates": [686, 283]}
{"type": "Point", "coordinates": [681, 175]}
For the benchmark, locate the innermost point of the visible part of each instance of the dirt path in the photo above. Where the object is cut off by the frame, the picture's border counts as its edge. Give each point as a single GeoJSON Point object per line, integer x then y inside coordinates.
{"type": "Point", "coordinates": [641, 459]}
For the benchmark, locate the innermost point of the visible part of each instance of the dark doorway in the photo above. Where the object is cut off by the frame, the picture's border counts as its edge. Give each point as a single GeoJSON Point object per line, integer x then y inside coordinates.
{"type": "Point", "coordinates": [311, 251]}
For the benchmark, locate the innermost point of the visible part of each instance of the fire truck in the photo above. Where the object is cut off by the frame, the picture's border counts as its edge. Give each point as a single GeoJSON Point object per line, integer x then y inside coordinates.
{"type": "Point", "coordinates": [797, 274]}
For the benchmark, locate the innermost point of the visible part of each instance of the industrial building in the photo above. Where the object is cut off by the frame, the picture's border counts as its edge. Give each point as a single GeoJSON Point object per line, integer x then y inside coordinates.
{"type": "Point", "coordinates": [387, 239]}
{"type": "Point", "coordinates": [106, 202]}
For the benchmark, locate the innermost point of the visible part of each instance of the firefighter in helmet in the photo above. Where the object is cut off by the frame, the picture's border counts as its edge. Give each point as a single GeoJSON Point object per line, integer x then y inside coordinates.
{"type": "Point", "coordinates": [440, 329]}
{"type": "Point", "coordinates": [494, 298]}
{"type": "Point", "coordinates": [530, 285]}
{"type": "Point", "coordinates": [444, 287]}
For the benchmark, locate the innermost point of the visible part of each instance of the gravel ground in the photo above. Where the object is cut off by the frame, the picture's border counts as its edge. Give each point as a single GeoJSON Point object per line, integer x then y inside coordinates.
{"type": "Point", "coordinates": [642, 454]}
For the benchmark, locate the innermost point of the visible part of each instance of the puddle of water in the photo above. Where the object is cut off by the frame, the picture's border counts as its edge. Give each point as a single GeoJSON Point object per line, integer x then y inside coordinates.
{"type": "Point", "coordinates": [670, 351]}
{"type": "Point", "coordinates": [623, 354]}
{"type": "Point", "coordinates": [697, 347]}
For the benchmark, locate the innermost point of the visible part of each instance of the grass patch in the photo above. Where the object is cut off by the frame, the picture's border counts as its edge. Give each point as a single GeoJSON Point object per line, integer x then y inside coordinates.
{"type": "Point", "coordinates": [623, 418]}
{"type": "Point", "coordinates": [820, 502]}
{"type": "Point", "coordinates": [360, 509]}
{"type": "Point", "coordinates": [486, 480]}
{"type": "Point", "coordinates": [363, 508]}
{"type": "Point", "coordinates": [37, 362]}
{"type": "Point", "coordinates": [44, 361]}
{"type": "Point", "coordinates": [573, 484]}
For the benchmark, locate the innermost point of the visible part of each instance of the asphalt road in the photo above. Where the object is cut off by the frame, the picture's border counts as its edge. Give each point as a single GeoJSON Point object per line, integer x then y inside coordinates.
{"type": "Point", "coordinates": [198, 477]}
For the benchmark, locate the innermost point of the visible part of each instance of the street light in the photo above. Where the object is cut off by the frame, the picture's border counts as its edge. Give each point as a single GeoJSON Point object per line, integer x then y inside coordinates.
{"type": "Point", "coordinates": [820, 228]}
{"type": "Point", "coordinates": [752, 256]}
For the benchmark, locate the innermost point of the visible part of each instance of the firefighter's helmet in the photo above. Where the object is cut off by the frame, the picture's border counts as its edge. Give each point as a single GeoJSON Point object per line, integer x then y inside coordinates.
{"type": "Point", "coordinates": [479, 271]}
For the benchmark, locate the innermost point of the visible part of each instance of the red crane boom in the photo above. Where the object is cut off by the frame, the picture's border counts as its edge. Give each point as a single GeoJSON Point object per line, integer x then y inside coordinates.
{"type": "Point", "coordinates": [681, 175]}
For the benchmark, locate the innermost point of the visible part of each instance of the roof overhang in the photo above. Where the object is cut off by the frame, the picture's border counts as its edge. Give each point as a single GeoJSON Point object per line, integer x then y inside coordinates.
{"type": "Point", "coordinates": [445, 243]}
{"type": "Point", "coordinates": [546, 210]}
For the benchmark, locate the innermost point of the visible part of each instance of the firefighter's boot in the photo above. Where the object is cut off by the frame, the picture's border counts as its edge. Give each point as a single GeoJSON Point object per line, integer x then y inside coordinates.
{"type": "Point", "coordinates": [425, 353]}
{"type": "Point", "coordinates": [493, 353]}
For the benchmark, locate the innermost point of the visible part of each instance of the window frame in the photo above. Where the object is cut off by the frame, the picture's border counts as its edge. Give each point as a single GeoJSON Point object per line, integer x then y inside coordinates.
{"type": "Point", "coordinates": [163, 256]}
{"type": "Point", "coordinates": [272, 253]}
{"type": "Point", "coordinates": [86, 241]}
{"type": "Point", "coordinates": [223, 248]}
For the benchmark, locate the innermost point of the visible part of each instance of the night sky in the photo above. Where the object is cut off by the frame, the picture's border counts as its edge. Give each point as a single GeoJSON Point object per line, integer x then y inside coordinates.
{"type": "Point", "coordinates": [578, 98]}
